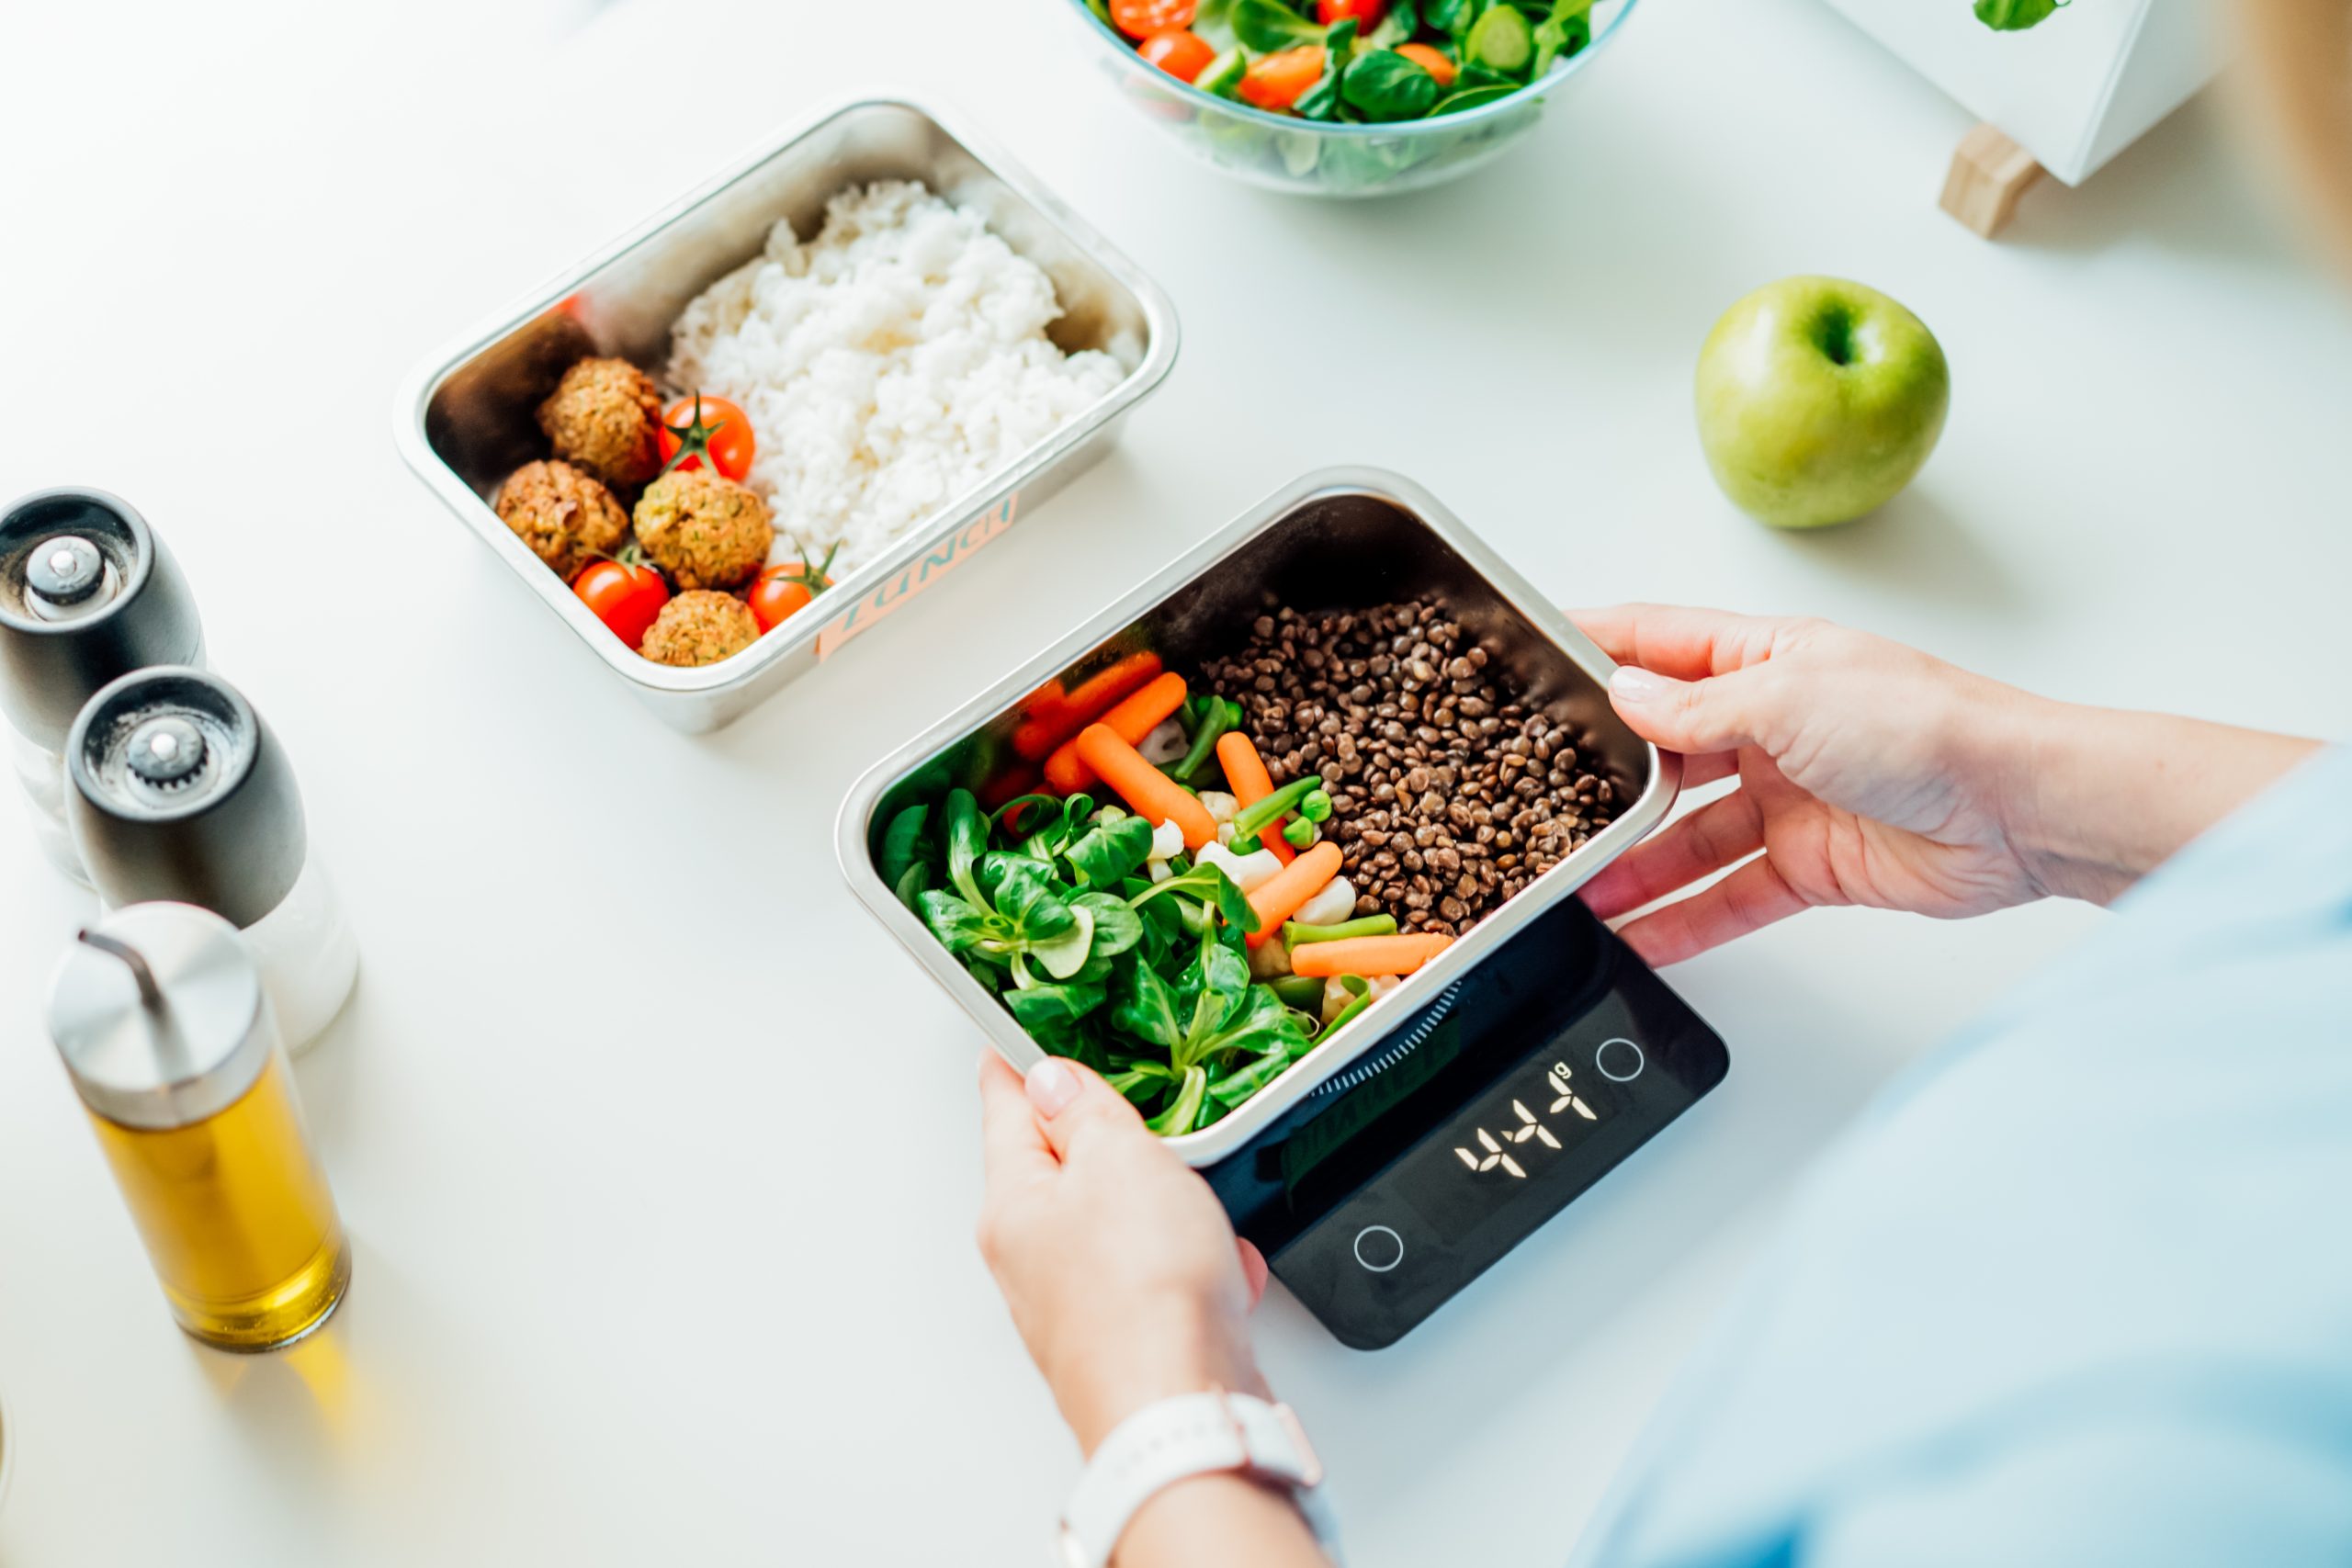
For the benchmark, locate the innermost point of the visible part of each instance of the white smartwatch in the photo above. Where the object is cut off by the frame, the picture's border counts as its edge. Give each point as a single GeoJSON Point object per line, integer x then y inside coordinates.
{"type": "Point", "coordinates": [1192, 1434]}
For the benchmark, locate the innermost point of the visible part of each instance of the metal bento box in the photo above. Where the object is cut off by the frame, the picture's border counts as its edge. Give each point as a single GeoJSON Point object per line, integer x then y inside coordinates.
{"type": "Point", "coordinates": [1341, 537]}
{"type": "Point", "coordinates": [465, 419]}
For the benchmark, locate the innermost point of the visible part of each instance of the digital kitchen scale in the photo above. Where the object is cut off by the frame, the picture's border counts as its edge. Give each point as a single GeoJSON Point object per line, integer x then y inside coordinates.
{"type": "Point", "coordinates": [1406, 1176]}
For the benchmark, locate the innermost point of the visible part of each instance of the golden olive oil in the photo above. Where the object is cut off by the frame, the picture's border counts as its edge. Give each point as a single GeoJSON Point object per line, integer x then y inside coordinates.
{"type": "Point", "coordinates": [237, 1217]}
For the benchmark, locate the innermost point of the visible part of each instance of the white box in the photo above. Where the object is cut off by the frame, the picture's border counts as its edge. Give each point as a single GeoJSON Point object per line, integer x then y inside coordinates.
{"type": "Point", "coordinates": [2075, 90]}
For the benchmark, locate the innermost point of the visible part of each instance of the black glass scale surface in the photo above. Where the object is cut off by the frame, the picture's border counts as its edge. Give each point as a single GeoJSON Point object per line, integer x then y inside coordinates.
{"type": "Point", "coordinates": [1410, 1173]}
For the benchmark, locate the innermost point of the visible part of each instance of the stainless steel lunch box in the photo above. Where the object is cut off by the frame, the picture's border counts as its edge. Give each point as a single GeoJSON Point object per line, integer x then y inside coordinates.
{"type": "Point", "coordinates": [465, 418]}
{"type": "Point", "coordinates": [1340, 537]}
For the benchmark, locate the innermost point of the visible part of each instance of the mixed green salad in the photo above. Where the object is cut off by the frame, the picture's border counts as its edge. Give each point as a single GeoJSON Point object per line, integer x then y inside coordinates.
{"type": "Point", "coordinates": [1366, 62]}
{"type": "Point", "coordinates": [1188, 939]}
{"type": "Point", "coordinates": [1048, 902]}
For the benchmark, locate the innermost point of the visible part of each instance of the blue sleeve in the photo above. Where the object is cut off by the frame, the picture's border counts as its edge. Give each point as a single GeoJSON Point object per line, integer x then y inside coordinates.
{"type": "Point", "coordinates": [2078, 1291]}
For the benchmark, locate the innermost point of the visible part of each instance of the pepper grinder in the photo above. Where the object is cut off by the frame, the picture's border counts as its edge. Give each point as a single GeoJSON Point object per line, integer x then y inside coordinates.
{"type": "Point", "coordinates": [165, 1030]}
{"type": "Point", "coordinates": [177, 791]}
{"type": "Point", "coordinates": [88, 593]}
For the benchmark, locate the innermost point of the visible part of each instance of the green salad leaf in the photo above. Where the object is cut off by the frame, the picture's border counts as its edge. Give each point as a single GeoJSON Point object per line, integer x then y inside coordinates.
{"type": "Point", "coordinates": [1184, 1111]}
{"type": "Point", "coordinates": [1322, 100]}
{"type": "Point", "coordinates": [1385, 85]}
{"type": "Point", "coordinates": [1111, 852]}
{"type": "Point", "coordinates": [1563, 33]}
{"type": "Point", "coordinates": [1213, 24]}
{"type": "Point", "coordinates": [1450, 16]}
{"type": "Point", "coordinates": [1398, 25]}
{"type": "Point", "coordinates": [1269, 25]}
{"type": "Point", "coordinates": [1050, 904]}
{"type": "Point", "coordinates": [905, 860]}
{"type": "Point", "coordinates": [1210, 886]}
{"type": "Point", "coordinates": [2015, 16]}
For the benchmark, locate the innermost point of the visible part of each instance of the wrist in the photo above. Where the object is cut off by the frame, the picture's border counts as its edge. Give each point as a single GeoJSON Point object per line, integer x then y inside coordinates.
{"type": "Point", "coordinates": [2094, 799]}
{"type": "Point", "coordinates": [1219, 1517]}
{"type": "Point", "coordinates": [1149, 1361]}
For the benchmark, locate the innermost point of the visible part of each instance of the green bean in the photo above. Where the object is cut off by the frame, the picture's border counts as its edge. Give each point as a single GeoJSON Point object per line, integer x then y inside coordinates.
{"type": "Point", "coordinates": [1293, 933]}
{"type": "Point", "coordinates": [1304, 992]}
{"type": "Point", "coordinates": [1283, 801]}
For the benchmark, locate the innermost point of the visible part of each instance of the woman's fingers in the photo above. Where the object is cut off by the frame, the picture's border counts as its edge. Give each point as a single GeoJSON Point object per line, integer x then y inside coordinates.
{"type": "Point", "coordinates": [1012, 1147]}
{"type": "Point", "coordinates": [1720, 713]}
{"type": "Point", "coordinates": [1253, 1271]}
{"type": "Point", "coordinates": [1748, 899]}
{"type": "Point", "coordinates": [1075, 1106]}
{"type": "Point", "coordinates": [1720, 834]}
{"type": "Point", "coordinates": [1677, 640]}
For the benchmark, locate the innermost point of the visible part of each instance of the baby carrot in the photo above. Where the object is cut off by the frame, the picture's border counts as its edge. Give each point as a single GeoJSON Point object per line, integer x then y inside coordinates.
{"type": "Point", "coordinates": [1245, 772]}
{"type": "Point", "coordinates": [1431, 60]}
{"type": "Point", "coordinates": [1150, 793]}
{"type": "Point", "coordinates": [1134, 717]}
{"type": "Point", "coordinates": [1054, 716]}
{"type": "Point", "coordinates": [1285, 893]}
{"type": "Point", "coordinates": [1368, 955]}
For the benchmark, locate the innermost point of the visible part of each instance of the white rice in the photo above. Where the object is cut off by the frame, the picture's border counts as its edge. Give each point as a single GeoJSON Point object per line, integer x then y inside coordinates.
{"type": "Point", "coordinates": [887, 365]}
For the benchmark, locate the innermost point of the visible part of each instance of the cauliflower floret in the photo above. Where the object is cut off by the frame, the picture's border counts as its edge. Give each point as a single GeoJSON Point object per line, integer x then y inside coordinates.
{"type": "Point", "coordinates": [1166, 743]}
{"type": "Point", "coordinates": [1247, 871]}
{"type": "Point", "coordinates": [1336, 903]}
{"type": "Point", "coordinates": [1166, 844]}
{"type": "Point", "coordinates": [1270, 960]}
{"type": "Point", "coordinates": [1108, 814]}
{"type": "Point", "coordinates": [1337, 997]}
{"type": "Point", "coordinates": [1160, 870]}
{"type": "Point", "coordinates": [1222, 807]}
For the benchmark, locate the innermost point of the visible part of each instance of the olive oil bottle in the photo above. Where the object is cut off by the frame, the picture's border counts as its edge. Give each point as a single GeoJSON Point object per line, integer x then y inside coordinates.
{"type": "Point", "coordinates": [166, 1033]}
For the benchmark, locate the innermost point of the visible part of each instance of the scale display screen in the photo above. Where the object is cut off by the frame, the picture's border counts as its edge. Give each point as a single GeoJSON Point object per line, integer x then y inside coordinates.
{"type": "Point", "coordinates": [1452, 1141]}
{"type": "Point", "coordinates": [1499, 1153]}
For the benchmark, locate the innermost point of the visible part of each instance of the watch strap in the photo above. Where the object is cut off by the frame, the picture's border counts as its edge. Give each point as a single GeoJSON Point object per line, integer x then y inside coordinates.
{"type": "Point", "coordinates": [1189, 1435]}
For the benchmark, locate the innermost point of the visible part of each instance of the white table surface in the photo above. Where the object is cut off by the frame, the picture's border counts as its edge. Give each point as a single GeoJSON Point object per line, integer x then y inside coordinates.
{"type": "Point", "coordinates": [660, 1157]}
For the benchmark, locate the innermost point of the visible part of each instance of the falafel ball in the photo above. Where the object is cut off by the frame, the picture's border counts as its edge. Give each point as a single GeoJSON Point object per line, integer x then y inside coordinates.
{"type": "Point", "coordinates": [605, 416]}
{"type": "Point", "coordinates": [700, 627]}
{"type": "Point", "coordinates": [703, 529]}
{"type": "Point", "coordinates": [566, 516]}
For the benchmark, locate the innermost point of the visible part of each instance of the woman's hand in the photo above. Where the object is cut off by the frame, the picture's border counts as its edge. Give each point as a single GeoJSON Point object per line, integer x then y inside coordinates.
{"type": "Point", "coordinates": [1873, 774]}
{"type": "Point", "coordinates": [1128, 1286]}
{"type": "Point", "coordinates": [1123, 1275]}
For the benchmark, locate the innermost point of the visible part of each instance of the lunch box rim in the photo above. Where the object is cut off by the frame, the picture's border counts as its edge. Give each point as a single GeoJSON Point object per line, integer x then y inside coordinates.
{"type": "Point", "coordinates": [1379, 1022]}
{"type": "Point", "coordinates": [660, 681]}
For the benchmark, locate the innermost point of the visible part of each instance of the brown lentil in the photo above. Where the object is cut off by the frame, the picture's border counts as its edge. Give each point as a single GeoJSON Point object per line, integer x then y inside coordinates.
{"type": "Point", "coordinates": [1442, 820]}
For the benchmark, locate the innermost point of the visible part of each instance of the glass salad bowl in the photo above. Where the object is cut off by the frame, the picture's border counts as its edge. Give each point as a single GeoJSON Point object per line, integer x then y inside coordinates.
{"type": "Point", "coordinates": [1329, 158]}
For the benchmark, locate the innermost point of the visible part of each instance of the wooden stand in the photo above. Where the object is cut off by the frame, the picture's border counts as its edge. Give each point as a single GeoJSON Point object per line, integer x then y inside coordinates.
{"type": "Point", "coordinates": [1989, 171]}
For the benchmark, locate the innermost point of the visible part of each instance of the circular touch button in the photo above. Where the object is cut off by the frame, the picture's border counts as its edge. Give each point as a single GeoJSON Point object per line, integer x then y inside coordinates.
{"type": "Point", "coordinates": [1619, 1060]}
{"type": "Point", "coordinates": [1379, 1250]}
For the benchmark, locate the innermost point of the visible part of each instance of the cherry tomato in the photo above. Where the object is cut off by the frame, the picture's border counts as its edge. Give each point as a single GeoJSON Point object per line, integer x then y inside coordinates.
{"type": "Point", "coordinates": [624, 595]}
{"type": "Point", "coordinates": [786, 589]}
{"type": "Point", "coordinates": [723, 427]}
{"type": "Point", "coordinates": [1182, 53]}
{"type": "Point", "coordinates": [1367, 13]}
{"type": "Point", "coordinates": [1280, 79]}
{"type": "Point", "coordinates": [1142, 18]}
{"type": "Point", "coordinates": [1432, 61]}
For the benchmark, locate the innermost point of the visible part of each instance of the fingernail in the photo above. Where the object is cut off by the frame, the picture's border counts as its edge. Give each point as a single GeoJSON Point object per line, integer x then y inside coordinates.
{"type": "Point", "coordinates": [1635, 686]}
{"type": "Point", "coordinates": [1051, 1086]}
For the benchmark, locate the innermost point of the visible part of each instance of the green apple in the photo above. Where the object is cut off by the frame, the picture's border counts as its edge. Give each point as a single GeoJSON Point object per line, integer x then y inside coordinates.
{"type": "Point", "coordinates": [1818, 400]}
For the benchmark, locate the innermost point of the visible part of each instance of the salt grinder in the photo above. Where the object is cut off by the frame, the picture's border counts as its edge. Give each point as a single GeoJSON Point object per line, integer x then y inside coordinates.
{"type": "Point", "coordinates": [177, 791]}
{"type": "Point", "coordinates": [88, 593]}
